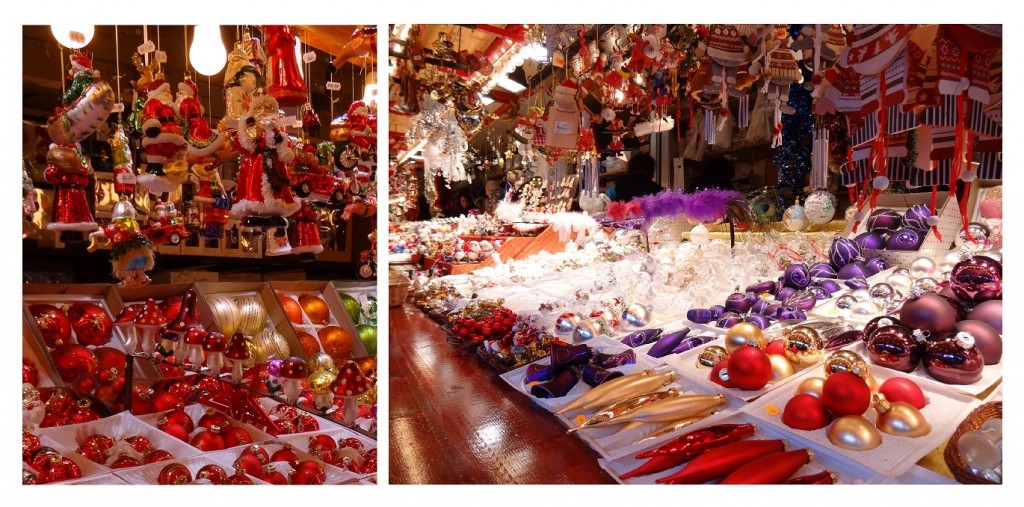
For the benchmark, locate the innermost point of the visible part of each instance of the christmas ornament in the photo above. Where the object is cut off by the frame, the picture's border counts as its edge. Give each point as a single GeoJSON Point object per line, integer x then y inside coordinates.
{"type": "Point", "coordinates": [864, 310]}
{"type": "Point", "coordinates": [845, 393]}
{"type": "Point", "coordinates": [618, 389]}
{"type": "Point", "coordinates": [711, 355]}
{"type": "Point", "coordinates": [336, 342]}
{"type": "Point", "coordinates": [904, 240]}
{"type": "Point", "coordinates": [250, 463]}
{"type": "Point", "coordinates": [883, 221]}
{"type": "Point", "coordinates": [148, 321]}
{"type": "Point", "coordinates": [928, 312]}
{"type": "Point", "coordinates": [812, 386]}
{"type": "Point", "coordinates": [976, 238]}
{"type": "Point", "coordinates": [85, 105]}
{"type": "Point", "coordinates": [72, 360]}
{"type": "Point", "coordinates": [53, 324]}
{"type": "Point", "coordinates": [795, 218]}
{"type": "Point", "coordinates": [894, 347]}
{"type": "Point", "coordinates": [917, 218]}
{"type": "Point", "coordinates": [91, 323]}
{"type": "Point", "coordinates": [903, 390]}
{"type": "Point", "coordinates": [796, 276]}
{"type": "Point", "coordinates": [285, 454]}
{"type": "Point", "coordinates": [922, 267]}
{"type": "Point", "coordinates": [820, 206]}
{"type": "Point", "coordinates": [238, 354]}
{"type": "Point", "coordinates": [803, 346]}
{"type": "Point", "coordinates": [213, 473]}
{"type": "Point", "coordinates": [292, 310]}
{"type": "Point", "coordinates": [240, 478]}
{"type": "Point", "coordinates": [986, 339]}
{"type": "Point", "coordinates": [773, 468]}
{"type": "Point", "coordinates": [566, 323]}
{"type": "Point", "coordinates": [209, 439]}
{"type": "Point", "coordinates": [637, 315]}
{"type": "Point", "coordinates": [750, 368]}
{"type": "Point", "coordinates": [368, 335]}
{"type": "Point", "coordinates": [900, 419]}
{"type": "Point", "coordinates": [294, 371]}
{"type": "Point", "coordinates": [744, 334]}
{"type": "Point", "coordinates": [976, 280]}
{"type": "Point", "coordinates": [125, 461]}
{"type": "Point", "coordinates": [66, 169]}
{"type": "Point", "coordinates": [822, 270]}
{"type": "Point", "coordinates": [175, 474]}
{"type": "Point", "coordinates": [781, 367]}
{"type": "Point", "coordinates": [315, 308]}
{"type": "Point", "coordinates": [989, 312]}
{"type": "Point", "coordinates": [871, 240]}
{"type": "Point", "coordinates": [284, 79]}
{"type": "Point", "coordinates": [855, 269]}
{"type": "Point", "coordinates": [163, 141]}
{"type": "Point", "coordinates": [899, 281]}
{"type": "Point", "coordinates": [235, 436]}
{"type": "Point", "coordinates": [953, 358]}
{"type": "Point", "coordinates": [842, 252]}
{"type": "Point", "coordinates": [722, 461]}
{"type": "Point", "coordinates": [854, 433]}
{"type": "Point", "coordinates": [876, 265]}
{"type": "Point", "coordinates": [202, 141]}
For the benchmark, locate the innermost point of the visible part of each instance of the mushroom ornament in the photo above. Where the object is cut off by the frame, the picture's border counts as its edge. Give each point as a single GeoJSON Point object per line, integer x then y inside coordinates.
{"type": "Point", "coordinates": [149, 321]}
{"type": "Point", "coordinates": [186, 319]}
{"type": "Point", "coordinates": [125, 322]}
{"type": "Point", "coordinates": [194, 339]}
{"type": "Point", "coordinates": [215, 345]}
{"type": "Point", "coordinates": [237, 353]}
{"type": "Point", "coordinates": [350, 384]}
{"type": "Point", "coordinates": [293, 370]}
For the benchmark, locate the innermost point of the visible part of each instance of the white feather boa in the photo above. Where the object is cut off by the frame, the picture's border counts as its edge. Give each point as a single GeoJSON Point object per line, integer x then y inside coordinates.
{"type": "Point", "coordinates": [565, 224]}
{"type": "Point", "coordinates": [508, 211]}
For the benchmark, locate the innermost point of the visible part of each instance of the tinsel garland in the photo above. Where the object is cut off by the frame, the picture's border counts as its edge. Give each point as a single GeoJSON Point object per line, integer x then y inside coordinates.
{"type": "Point", "coordinates": [794, 155]}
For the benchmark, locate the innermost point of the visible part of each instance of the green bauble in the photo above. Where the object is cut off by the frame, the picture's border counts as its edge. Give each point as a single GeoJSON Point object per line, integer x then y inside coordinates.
{"type": "Point", "coordinates": [368, 335]}
{"type": "Point", "coordinates": [353, 307]}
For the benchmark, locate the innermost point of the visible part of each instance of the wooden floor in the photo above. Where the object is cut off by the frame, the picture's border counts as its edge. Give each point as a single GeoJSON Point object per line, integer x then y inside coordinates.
{"type": "Point", "coordinates": [454, 421]}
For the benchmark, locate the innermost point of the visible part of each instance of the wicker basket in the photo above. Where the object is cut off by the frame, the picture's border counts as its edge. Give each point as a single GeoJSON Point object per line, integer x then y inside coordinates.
{"type": "Point", "coordinates": [977, 417]}
{"type": "Point", "coordinates": [398, 288]}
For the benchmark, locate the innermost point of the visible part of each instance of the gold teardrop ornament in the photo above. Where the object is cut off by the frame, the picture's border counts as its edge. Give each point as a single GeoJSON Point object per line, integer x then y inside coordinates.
{"type": "Point", "coordinates": [899, 418]}
{"type": "Point", "coordinates": [855, 433]}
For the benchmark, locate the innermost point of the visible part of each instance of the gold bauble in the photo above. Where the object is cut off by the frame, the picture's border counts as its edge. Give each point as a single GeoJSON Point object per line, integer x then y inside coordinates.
{"type": "Point", "coordinates": [846, 360]}
{"type": "Point", "coordinates": [271, 344]}
{"type": "Point", "coordinates": [226, 314]}
{"type": "Point", "coordinates": [744, 334]}
{"type": "Point", "coordinates": [781, 367]}
{"type": "Point", "coordinates": [320, 381]}
{"type": "Point", "coordinates": [308, 342]}
{"type": "Point", "coordinates": [899, 418]}
{"type": "Point", "coordinates": [315, 308]}
{"type": "Point", "coordinates": [711, 355]}
{"type": "Point", "coordinates": [855, 433]}
{"type": "Point", "coordinates": [812, 386]}
{"type": "Point", "coordinates": [370, 397]}
{"type": "Point", "coordinates": [291, 308]}
{"type": "Point", "coordinates": [255, 354]}
{"type": "Point", "coordinates": [253, 317]}
{"type": "Point", "coordinates": [367, 366]}
{"type": "Point", "coordinates": [803, 345]}
{"type": "Point", "coordinates": [321, 361]}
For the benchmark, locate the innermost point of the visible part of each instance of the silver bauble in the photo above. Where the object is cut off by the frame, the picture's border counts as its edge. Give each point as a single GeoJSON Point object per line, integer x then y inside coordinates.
{"type": "Point", "coordinates": [846, 302]}
{"type": "Point", "coordinates": [637, 315]}
{"type": "Point", "coordinates": [795, 218]}
{"type": "Point", "coordinates": [587, 330]}
{"type": "Point", "coordinates": [566, 323]}
{"type": "Point", "coordinates": [982, 238]}
{"type": "Point", "coordinates": [922, 267]}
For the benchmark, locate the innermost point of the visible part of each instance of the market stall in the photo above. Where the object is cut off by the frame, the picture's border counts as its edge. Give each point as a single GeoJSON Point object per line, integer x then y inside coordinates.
{"type": "Point", "coordinates": [686, 254]}
{"type": "Point", "coordinates": [196, 308]}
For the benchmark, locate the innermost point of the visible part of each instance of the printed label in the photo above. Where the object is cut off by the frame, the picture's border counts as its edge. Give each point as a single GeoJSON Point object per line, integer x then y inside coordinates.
{"type": "Point", "coordinates": [147, 47]}
{"type": "Point", "coordinates": [563, 127]}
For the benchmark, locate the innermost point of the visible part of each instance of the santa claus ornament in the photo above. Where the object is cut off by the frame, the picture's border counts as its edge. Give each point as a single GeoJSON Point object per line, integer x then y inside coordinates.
{"type": "Point", "coordinates": [285, 82]}
{"type": "Point", "coordinates": [84, 106]}
{"type": "Point", "coordinates": [163, 140]}
{"type": "Point", "coordinates": [131, 252]}
{"type": "Point", "coordinates": [201, 139]}
{"type": "Point", "coordinates": [263, 195]}
{"type": "Point", "coordinates": [68, 172]}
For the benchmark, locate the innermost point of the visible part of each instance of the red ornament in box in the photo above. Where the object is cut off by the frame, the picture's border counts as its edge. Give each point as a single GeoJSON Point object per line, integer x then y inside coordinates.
{"type": "Point", "coordinates": [258, 451]}
{"type": "Point", "coordinates": [750, 368]}
{"type": "Point", "coordinates": [139, 443]}
{"type": "Point", "coordinates": [213, 418]}
{"type": "Point", "coordinates": [235, 436]}
{"type": "Point", "coordinates": [110, 364]}
{"type": "Point", "coordinates": [311, 474]}
{"type": "Point", "coordinates": [977, 280]}
{"type": "Point", "coordinates": [272, 476]}
{"type": "Point", "coordinates": [164, 401]}
{"type": "Point", "coordinates": [125, 461]}
{"type": "Point", "coordinates": [308, 423]}
{"type": "Point", "coordinates": [250, 463]}
{"type": "Point", "coordinates": [174, 473]}
{"type": "Point", "coordinates": [287, 455]}
{"type": "Point", "coordinates": [208, 440]}
{"type": "Point", "coordinates": [91, 323]}
{"type": "Point", "coordinates": [53, 324]}
{"type": "Point", "coordinates": [175, 430]}
{"type": "Point", "coordinates": [806, 412]}
{"type": "Point", "coordinates": [178, 416]}
{"type": "Point", "coordinates": [170, 307]}
{"type": "Point", "coordinates": [352, 443]}
{"type": "Point", "coordinates": [179, 387]}
{"type": "Point", "coordinates": [29, 373]}
{"type": "Point", "coordinates": [30, 444]}
{"type": "Point", "coordinates": [846, 393]}
{"type": "Point", "coordinates": [213, 473]}
{"type": "Point", "coordinates": [72, 360]}
{"type": "Point", "coordinates": [157, 456]}
{"type": "Point", "coordinates": [904, 390]}
{"type": "Point", "coordinates": [239, 478]}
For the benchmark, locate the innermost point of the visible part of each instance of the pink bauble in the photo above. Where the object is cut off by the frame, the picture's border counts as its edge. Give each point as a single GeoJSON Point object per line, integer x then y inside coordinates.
{"type": "Point", "coordinates": [989, 312]}
{"type": "Point", "coordinates": [986, 338]}
{"type": "Point", "coordinates": [977, 280]}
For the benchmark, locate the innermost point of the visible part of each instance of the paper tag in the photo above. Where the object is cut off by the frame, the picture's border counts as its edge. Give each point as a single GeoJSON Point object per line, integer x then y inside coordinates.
{"type": "Point", "coordinates": [563, 127]}
{"type": "Point", "coordinates": [147, 47]}
{"type": "Point", "coordinates": [288, 120]}
{"type": "Point", "coordinates": [118, 108]}
{"type": "Point", "coordinates": [76, 37]}
{"type": "Point", "coordinates": [309, 57]}
{"type": "Point", "coordinates": [160, 57]}
{"type": "Point", "coordinates": [331, 85]}
{"type": "Point", "coordinates": [126, 177]}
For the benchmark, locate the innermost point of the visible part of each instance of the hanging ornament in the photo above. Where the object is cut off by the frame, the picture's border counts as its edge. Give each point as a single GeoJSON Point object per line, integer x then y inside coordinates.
{"type": "Point", "coordinates": [163, 140]}
{"type": "Point", "coordinates": [85, 105]}
{"type": "Point", "coordinates": [67, 170]}
{"type": "Point", "coordinates": [284, 79]}
{"type": "Point", "coordinates": [131, 251]}
{"type": "Point", "coordinates": [201, 139]}
{"type": "Point", "coordinates": [820, 207]}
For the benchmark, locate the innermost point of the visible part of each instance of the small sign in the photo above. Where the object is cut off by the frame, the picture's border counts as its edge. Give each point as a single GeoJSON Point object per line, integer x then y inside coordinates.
{"type": "Point", "coordinates": [160, 57]}
{"type": "Point", "coordinates": [289, 121]}
{"type": "Point", "coordinates": [309, 57]}
{"type": "Point", "coordinates": [333, 86]}
{"type": "Point", "coordinates": [563, 127]}
{"type": "Point", "coordinates": [76, 37]}
{"type": "Point", "coordinates": [118, 108]}
{"type": "Point", "coordinates": [147, 47]}
{"type": "Point", "coordinates": [126, 177]}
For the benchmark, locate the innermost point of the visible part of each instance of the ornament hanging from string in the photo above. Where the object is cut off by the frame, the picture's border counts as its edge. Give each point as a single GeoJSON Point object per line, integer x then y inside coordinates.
{"type": "Point", "coordinates": [820, 205]}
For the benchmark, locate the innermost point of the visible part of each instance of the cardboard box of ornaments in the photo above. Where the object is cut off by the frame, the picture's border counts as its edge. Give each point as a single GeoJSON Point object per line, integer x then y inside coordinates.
{"type": "Point", "coordinates": [234, 291]}
{"type": "Point", "coordinates": [338, 315]}
{"type": "Point", "coordinates": [948, 212]}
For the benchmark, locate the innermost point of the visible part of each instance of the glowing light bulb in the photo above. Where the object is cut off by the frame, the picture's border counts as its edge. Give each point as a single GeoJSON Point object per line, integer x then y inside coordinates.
{"type": "Point", "coordinates": [73, 37]}
{"type": "Point", "coordinates": [207, 54]}
{"type": "Point", "coordinates": [298, 57]}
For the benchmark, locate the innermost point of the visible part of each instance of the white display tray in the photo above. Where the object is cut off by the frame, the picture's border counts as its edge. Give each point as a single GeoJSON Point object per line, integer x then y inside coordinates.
{"type": "Point", "coordinates": [896, 455]}
{"type": "Point", "coordinates": [516, 377]}
{"type": "Point", "coordinates": [98, 480]}
{"type": "Point", "coordinates": [301, 443]}
{"type": "Point", "coordinates": [196, 411]}
{"type": "Point", "coordinates": [612, 444]}
{"type": "Point", "coordinates": [827, 308]}
{"type": "Point", "coordinates": [334, 475]}
{"type": "Point", "coordinates": [919, 475]}
{"type": "Point", "coordinates": [88, 468]}
{"type": "Point", "coordinates": [268, 404]}
{"type": "Point", "coordinates": [69, 438]}
{"type": "Point", "coordinates": [846, 471]}
{"type": "Point", "coordinates": [989, 375]}
{"type": "Point", "coordinates": [150, 474]}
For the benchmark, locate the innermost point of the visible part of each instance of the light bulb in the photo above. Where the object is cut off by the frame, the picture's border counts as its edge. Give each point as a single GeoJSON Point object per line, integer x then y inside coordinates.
{"type": "Point", "coordinates": [73, 37]}
{"type": "Point", "coordinates": [298, 57]}
{"type": "Point", "coordinates": [207, 54]}
{"type": "Point", "coordinates": [370, 94]}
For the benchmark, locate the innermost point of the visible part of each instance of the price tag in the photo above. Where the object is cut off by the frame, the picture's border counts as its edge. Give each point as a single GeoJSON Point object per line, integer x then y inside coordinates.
{"type": "Point", "coordinates": [333, 86]}
{"type": "Point", "coordinates": [147, 47]}
{"type": "Point", "coordinates": [288, 120]}
{"type": "Point", "coordinates": [297, 124]}
{"type": "Point", "coordinates": [118, 108]}
{"type": "Point", "coordinates": [309, 57]}
{"type": "Point", "coordinates": [125, 178]}
{"type": "Point", "coordinates": [563, 127]}
{"type": "Point", "coordinates": [76, 37]}
{"type": "Point", "coordinates": [160, 57]}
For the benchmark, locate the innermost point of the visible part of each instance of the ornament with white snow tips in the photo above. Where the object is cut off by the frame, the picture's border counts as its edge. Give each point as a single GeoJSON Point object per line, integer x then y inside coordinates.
{"type": "Point", "coordinates": [820, 207]}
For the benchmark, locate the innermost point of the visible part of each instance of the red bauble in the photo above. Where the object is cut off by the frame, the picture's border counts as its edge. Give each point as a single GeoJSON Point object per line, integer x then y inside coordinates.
{"type": "Point", "coordinates": [894, 347]}
{"type": "Point", "coordinates": [99, 441]}
{"type": "Point", "coordinates": [977, 280]}
{"type": "Point", "coordinates": [272, 476]}
{"type": "Point", "coordinates": [179, 416]}
{"type": "Point", "coordinates": [176, 430]}
{"type": "Point", "coordinates": [53, 324]}
{"type": "Point", "coordinates": [164, 401]}
{"type": "Point", "coordinates": [43, 456]}
{"type": "Point", "coordinates": [283, 411]}
{"type": "Point", "coordinates": [720, 374]}
{"type": "Point", "coordinates": [308, 423]}
{"type": "Point", "coordinates": [308, 476]}
{"type": "Point", "coordinates": [930, 312]}
{"type": "Point", "coordinates": [953, 358]}
{"type": "Point", "coordinates": [310, 465]}
{"type": "Point", "coordinates": [353, 443]}
{"type": "Point", "coordinates": [29, 373]}
{"type": "Point", "coordinates": [91, 324]}
{"type": "Point", "coordinates": [208, 440]}
{"type": "Point", "coordinates": [235, 436]}
{"type": "Point", "coordinates": [110, 364]}
{"type": "Point", "coordinates": [178, 387]}
{"type": "Point", "coordinates": [777, 347]}
{"type": "Point", "coordinates": [71, 469]}
{"type": "Point", "coordinates": [125, 461]}
{"type": "Point", "coordinates": [323, 454]}
{"type": "Point", "coordinates": [72, 360]}
{"type": "Point", "coordinates": [30, 444]}
{"type": "Point", "coordinates": [239, 478]}
{"type": "Point", "coordinates": [174, 473]}
{"type": "Point", "coordinates": [158, 455]}
{"type": "Point", "coordinates": [750, 368]}
{"type": "Point", "coordinates": [258, 451]}
{"type": "Point", "coordinates": [140, 443]}
{"type": "Point", "coordinates": [903, 389]}
{"type": "Point", "coordinates": [287, 455]}
{"type": "Point", "coordinates": [370, 465]}
{"type": "Point", "coordinates": [250, 463]}
{"type": "Point", "coordinates": [325, 441]}
{"type": "Point", "coordinates": [845, 393]}
{"type": "Point", "coordinates": [213, 473]}
{"type": "Point", "coordinates": [806, 412]}
{"type": "Point", "coordinates": [170, 307]}
{"type": "Point", "coordinates": [986, 338]}
{"type": "Point", "coordinates": [209, 384]}
{"type": "Point", "coordinates": [213, 418]}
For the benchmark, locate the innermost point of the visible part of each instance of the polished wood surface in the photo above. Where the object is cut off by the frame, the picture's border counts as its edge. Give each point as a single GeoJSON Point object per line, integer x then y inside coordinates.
{"type": "Point", "coordinates": [454, 421]}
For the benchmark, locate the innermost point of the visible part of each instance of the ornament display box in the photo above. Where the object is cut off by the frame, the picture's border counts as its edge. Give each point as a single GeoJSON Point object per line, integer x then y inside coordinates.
{"type": "Point", "coordinates": [338, 316]}
{"type": "Point", "coordinates": [263, 292]}
{"type": "Point", "coordinates": [949, 224]}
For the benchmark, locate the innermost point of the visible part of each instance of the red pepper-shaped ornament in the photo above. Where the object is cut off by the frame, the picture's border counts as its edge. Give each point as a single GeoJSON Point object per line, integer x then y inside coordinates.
{"type": "Point", "coordinates": [825, 477]}
{"type": "Point", "coordinates": [773, 468]}
{"type": "Point", "coordinates": [697, 442]}
{"type": "Point", "coordinates": [654, 465]}
{"type": "Point", "coordinates": [722, 461]}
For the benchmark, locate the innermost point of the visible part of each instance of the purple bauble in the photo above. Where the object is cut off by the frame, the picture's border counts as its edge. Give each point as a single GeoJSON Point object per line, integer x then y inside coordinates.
{"type": "Point", "coordinates": [716, 311]}
{"type": "Point", "coordinates": [953, 358]}
{"type": "Point", "coordinates": [796, 276]}
{"type": "Point", "coordinates": [977, 280]}
{"type": "Point", "coordinates": [802, 300]}
{"type": "Point", "coordinates": [762, 287]}
{"type": "Point", "coordinates": [989, 312]}
{"type": "Point", "coordinates": [752, 297]}
{"type": "Point", "coordinates": [822, 270]}
{"type": "Point", "coordinates": [830, 285]}
{"type": "Point", "coordinates": [758, 320]}
{"type": "Point", "coordinates": [729, 319]}
{"type": "Point", "coordinates": [772, 310]}
{"type": "Point", "coordinates": [759, 306]}
{"type": "Point", "coordinates": [842, 252]}
{"type": "Point", "coordinates": [929, 312]}
{"type": "Point", "coordinates": [872, 240]}
{"type": "Point", "coordinates": [737, 302]}
{"type": "Point", "coordinates": [789, 313]}
{"type": "Point", "coordinates": [877, 265]}
{"type": "Point", "coordinates": [855, 269]}
{"type": "Point", "coordinates": [819, 293]}
{"type": "Point", "coordinates": [904, 240]}
{"type": "Point", "coordinates": [699, 315]}
{"type": "Point", "coordinates": [857, 283]}
{"type": "Point", "coordinates": [917, 217]}
{"type": "Point", "coordinates": [784, 293]}
{"type": "Point", "coordinates": [986, 338]}
{"type": "Point", "coordinates": [958, 306]}
{"type": "Point", "coordinates": [883, 220]}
